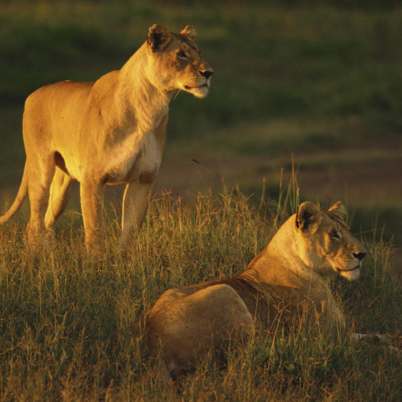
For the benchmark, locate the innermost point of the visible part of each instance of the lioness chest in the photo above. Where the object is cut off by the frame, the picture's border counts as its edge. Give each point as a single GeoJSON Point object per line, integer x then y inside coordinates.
{"type": "Point", "coordinates": [135, 159]}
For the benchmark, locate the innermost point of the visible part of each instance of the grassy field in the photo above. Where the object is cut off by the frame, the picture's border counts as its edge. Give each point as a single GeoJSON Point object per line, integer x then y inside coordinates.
{"type": "Point", "coordinates": [317, 85]}
{"type": "Point", "coordinates": [73, 330]}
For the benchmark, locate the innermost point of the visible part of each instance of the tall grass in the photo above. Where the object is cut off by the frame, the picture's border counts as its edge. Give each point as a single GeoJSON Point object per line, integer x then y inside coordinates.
{"type": "Point", "coordinates": [72, 329]}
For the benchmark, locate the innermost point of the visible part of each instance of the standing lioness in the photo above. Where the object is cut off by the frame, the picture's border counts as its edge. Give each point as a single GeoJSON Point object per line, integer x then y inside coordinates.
{"type": "Point", "coordinates": [111, 131]}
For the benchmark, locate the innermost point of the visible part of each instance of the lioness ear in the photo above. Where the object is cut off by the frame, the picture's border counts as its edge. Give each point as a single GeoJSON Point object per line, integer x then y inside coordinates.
{"type": "Point", "coordinates": [158, 37]}
{"type": "Point", "coordinates": [339, 210]}
{"type": "Point", "coordinates": [307, 215]}
{"type": "Point", "coordinates": [189, 31]}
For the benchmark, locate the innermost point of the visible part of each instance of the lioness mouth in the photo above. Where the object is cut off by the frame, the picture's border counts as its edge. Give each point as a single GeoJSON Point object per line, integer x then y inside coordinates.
{"type": "Point", "coordinates": [348, 270]}
{"type": "Point", "coordinates": [200, 86]}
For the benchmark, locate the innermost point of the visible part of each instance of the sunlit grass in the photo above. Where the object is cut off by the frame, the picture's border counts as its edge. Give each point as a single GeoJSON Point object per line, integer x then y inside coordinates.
{"type": "Point", "coordinates": [73, 329]}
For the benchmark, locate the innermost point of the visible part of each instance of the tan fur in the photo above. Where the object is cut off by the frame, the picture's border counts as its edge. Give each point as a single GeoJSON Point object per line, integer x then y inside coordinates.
{"type": "Point", "coordinates": [111, 131]}
{"type": "Point", "coordinates": [285, 281]}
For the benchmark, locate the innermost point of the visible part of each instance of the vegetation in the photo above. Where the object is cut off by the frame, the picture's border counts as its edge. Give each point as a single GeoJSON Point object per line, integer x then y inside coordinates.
{"type": "Point", "coordinates": [316, 81]}
{"type": "Point", "coordinates": [73, 329]}
{"type": "Point", "coordinates": [271, 62]}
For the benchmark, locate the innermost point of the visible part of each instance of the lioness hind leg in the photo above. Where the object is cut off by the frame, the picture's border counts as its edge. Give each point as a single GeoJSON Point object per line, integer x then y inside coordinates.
{"type": "Point", "coordinates": [187, 327]}
{"type": "Point", "coordinates": [39, 179]}
{"type": "Point", "coordinates": [57, 197]}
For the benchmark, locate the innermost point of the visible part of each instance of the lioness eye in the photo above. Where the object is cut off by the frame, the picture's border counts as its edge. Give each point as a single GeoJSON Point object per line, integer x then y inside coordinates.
{"type": "Point", "coordinates": [335, 234]}
{"type": "Point", "coordinates": [181, 55]}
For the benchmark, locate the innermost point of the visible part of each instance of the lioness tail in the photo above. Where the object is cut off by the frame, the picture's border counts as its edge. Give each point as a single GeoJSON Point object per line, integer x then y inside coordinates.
{"type": "Point", "coordinates": [19, 198]}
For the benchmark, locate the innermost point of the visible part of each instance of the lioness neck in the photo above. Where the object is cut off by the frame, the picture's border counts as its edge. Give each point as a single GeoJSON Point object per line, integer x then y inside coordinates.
{"type": "Point", "coordinates": [280, 262]}
{"type": "Point", "coordinates": [141, 103]}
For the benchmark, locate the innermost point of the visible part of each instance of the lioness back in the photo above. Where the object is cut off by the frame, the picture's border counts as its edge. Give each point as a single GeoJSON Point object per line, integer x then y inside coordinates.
{"type": "Point", "coordinates": [51, 113]}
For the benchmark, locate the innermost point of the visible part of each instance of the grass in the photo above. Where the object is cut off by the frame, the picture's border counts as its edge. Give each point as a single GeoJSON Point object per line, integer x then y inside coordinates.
{"type": "Point", "coordinates": [288, 63]}
{"type": "Point", "coordinates": [72, 329]}
{"type": "Point", "coordinates": [317, 80]}
{"type": "Point", "coordinates": [313, 78]}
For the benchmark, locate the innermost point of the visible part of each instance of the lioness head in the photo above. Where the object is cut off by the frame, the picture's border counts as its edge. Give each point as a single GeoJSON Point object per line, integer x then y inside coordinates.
{"type": "Point", "coordinates": [324, 240]}
{"type": "Point", "coordinates": [176, 62]}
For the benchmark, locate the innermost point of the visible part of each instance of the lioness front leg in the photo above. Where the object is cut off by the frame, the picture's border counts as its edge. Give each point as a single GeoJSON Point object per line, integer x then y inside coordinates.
{"type": "Point", "coordinates": [135, 203]}
{"type": "Point", "coordinates": [91, 204]}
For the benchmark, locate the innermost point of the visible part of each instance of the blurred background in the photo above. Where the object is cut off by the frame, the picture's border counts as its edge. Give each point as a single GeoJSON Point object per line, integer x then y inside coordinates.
{"type": "Point", "coordinates": [313, 83]}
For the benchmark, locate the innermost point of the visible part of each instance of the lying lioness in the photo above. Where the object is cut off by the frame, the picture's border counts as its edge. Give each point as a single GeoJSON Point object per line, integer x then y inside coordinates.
{"type": "Point", "coordinates": [111, 131]}
{"type": "Point", "coordinates": [284, 279]}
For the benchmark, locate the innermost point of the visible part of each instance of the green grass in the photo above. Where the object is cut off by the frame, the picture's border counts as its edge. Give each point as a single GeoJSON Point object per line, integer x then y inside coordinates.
{"type": "Point", "coordinates": [289, 78]}
{"type": "Point", "coordinates": [312, 77]}
{"type": "Point", "coordinates": [270, 61]}
{"type": "Point", "coordinates": [73, 329]}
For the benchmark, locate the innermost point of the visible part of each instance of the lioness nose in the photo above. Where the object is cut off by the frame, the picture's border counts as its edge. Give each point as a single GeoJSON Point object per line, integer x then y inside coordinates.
{"type": "Point", "coordinates": [206, 73]}
{"type": "Point", "coordinates": [360, 255]}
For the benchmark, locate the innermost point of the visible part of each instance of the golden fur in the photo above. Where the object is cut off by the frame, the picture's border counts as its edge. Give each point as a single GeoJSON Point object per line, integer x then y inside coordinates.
{"type": "Point", "coordinates": [284, 281]}
{"type": "Point", "coordinates": [111, 131]}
